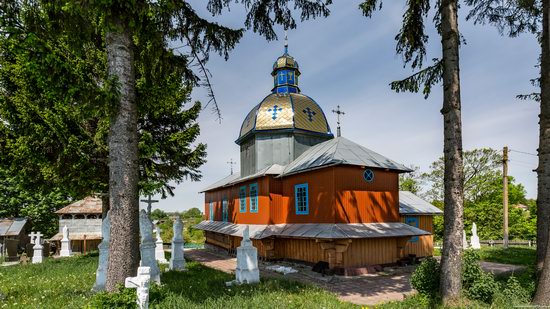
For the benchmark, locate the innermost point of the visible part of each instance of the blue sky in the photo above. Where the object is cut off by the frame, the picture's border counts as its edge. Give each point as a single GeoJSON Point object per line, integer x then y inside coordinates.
{"type": "Point", "coordinates": [349, 60]}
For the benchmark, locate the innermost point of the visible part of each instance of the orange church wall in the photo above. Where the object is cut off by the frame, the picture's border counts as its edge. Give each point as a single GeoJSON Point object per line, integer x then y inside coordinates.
{"type": "Point", "coordinates": [359, 201]}
{"type": "Point", "coordinates": [320, 194]}
{"type": "Point", "coordinates": [336, 195]}
{"type": "Point", "coordinates": [424, 246]}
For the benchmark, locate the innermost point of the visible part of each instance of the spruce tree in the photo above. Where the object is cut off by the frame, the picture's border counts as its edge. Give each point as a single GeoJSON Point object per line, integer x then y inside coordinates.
{"type": "Point", "coordinates": [411, 44]}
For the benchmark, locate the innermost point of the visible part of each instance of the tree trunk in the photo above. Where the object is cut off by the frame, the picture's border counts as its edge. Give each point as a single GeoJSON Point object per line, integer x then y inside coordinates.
{"type": "Point", "coordinates": [123, 158]}
{"type": "Point", "coordinates": [451, 258]}
{"type": "Point", "coordinates": [542, 296]}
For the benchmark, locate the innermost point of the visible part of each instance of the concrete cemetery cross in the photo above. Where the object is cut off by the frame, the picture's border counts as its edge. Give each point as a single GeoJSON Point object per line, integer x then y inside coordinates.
{"type": "Point", "coordinates": [37, 256]}
{"type": "Point", "coordinates": [141, 283]}
{"type": "Point", "coordinates": [159, 248]}
{"type": "Point", "coordinates": [32, 236]}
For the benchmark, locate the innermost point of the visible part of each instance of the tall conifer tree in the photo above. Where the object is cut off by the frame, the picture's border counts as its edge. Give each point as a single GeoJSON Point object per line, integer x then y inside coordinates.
{"type": "Point", "coordinates": [411, 43]}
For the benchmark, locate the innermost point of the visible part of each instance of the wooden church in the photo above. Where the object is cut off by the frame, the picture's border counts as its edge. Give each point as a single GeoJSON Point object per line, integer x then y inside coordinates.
{"type": "Point", "coordinates": [309, 196]}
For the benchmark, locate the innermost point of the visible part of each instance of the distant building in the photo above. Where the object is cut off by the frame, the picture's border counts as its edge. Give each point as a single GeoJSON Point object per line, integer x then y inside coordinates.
{"type": "Point", "coordinates": [309, 196]}
{"type": "Point", "coordinates": [522, 207]}
{"type": "Point", "coordinates": [83, 218]}
{"type": "Point", "coordinates": [13, 235]}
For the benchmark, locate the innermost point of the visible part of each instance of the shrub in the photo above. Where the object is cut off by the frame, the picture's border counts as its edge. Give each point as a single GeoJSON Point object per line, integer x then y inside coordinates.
{"type": "Point", "coordinates": [122, 298]}
{"type": "Point", "coordinates": [512, 295]}
{"type": "Point", "coordinates": [483, 288]}
{"type": "Point", "coordinates": [471, 270]}
{"type": "Point", "coordinates": [425, 278]}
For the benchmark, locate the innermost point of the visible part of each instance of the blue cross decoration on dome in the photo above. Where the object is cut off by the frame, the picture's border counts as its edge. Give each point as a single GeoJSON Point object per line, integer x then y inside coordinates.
{"type": "Point", "coordinates": [368, 175]}
{"type": "Point", "coordinates": [309, 113]}
{"type": "Point", "coordinates": [275, 109]}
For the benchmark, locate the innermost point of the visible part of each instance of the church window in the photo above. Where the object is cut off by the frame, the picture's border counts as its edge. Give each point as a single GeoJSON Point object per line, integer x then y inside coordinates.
{"type": "Point", "coordinates": [301, 199]}
{"type": "Point", "coordinates": [254, 197]}
{"type": "Point", "coordinates": [225, 212]}
{"type": "Point", "coordinates": [368, 175]}
{"type": "Point", "coordinates": [242, 199]}
{"type": "Point", "coordinates": [412, 221]}
{"type": "Point", "coordinates": [211, 211]}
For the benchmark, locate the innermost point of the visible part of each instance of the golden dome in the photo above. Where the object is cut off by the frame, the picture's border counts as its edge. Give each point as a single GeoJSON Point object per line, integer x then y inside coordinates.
{"type": "Point", "coordinates": [286, 112]}
{"type": "Point", "coordinates": [285, 61]}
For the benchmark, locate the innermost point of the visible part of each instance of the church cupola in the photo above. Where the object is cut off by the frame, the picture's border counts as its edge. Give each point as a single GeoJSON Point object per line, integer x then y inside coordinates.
{"type": "Point", "coordinates": [283, 125]}
{"type": "Point", "coordinates": [285, 73]}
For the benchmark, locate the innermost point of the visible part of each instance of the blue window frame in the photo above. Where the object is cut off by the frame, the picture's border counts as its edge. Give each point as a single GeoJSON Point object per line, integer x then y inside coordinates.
{"type": "Point", "coordinates": [242, 199]}
{"type": "Point", "coordinates": [301, 199]}
{"type": "Point", "coordinates": [412, 221]}
{"type": "Point", "coordinates": [225, 212]}
{"type": "Point", "coordinates": [368, 175]}
{"type": "Point", "coordinates": [211, 211]}
{"type": "Point", "coordinates": [254, 197]}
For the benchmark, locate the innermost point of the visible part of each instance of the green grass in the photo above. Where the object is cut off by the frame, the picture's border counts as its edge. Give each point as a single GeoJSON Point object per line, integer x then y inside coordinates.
{"type": "Point", "coordinates": [512, 255]}
{"type": "Point", "coordinates": [61, 283]}
{"type": "Point", "coordinates": [66, 283]}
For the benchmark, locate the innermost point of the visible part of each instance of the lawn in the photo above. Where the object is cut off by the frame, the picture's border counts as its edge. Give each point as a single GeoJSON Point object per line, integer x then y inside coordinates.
{"type": "Point", "coordinates": [512, 255]}
{"type": "Point", "coordinates": [66, 283]}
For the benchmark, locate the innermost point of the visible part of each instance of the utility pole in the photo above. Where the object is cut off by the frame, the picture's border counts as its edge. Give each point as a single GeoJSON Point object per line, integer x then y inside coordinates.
{"type": "Point", "coordinates": [338, 112]}
{"type": "Point", "coordinates": [231, 163]}
{"type": "Point", "coordinates": [149, 203]}
{"type": "Point", "coordinates": [505, 193]}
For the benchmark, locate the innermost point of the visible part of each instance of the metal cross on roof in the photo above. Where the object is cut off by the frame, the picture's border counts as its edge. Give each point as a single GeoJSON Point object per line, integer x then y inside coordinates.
{"type": "Point", "coordinates": [274, 110]}
{"type": "Point", "coordinates": [338, 112]}
{"type": "Point", "coordinates": [231, 163]}
{"type": "Point", "coordinates": [309, 113]}
{"type": "Point", "coordinates": [149, 201]}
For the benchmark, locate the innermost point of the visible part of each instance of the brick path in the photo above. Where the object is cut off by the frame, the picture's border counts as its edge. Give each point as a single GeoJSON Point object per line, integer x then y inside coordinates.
{"type": "Point", "coordinates": [362, 290]}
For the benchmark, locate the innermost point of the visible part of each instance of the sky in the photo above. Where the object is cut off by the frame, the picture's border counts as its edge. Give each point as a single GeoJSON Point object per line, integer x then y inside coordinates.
{"type": "Point", "coordinates": [349, 60]}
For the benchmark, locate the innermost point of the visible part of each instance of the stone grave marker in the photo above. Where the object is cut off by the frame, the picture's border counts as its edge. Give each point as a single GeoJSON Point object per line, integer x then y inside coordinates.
{"type": "Point", "coordinates": [101, 272]}
{"type": "Point", "coordinates": [24, 259]}
{"type": "Point", "coordinates": [474, 240]}
{"type": "Point", "coordinates": [147, 246]}
{"type": "Point", "coordinates": [177, 261]}
{"type": "Point", "coordinates": [247, 262]}
{"type": "Point", "coordinates": [464, 240]}
{"type": "Point", "coordinates": [141, 283]}
{"type": "Point", "coordinates": [65, 243]}
{"type": "Point", "coordinates": [38, 254]}
{"type": "Point", "coordinates": [159, 248]}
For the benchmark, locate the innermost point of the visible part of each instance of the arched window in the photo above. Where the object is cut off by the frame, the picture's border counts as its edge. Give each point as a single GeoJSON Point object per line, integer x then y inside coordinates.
{"type": "Point", "coordinates": [80, 217]}
{"type": "Point", "coordinates": [66, 217]}
{"type": "Point", "coordinates": [92, 217]}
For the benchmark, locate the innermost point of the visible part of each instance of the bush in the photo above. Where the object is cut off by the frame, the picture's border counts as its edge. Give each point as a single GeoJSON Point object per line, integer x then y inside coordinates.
{"type": "Point", "coordinates": [483, 288]}
{"type": "Point", "coordinates": [471, 270]}
{"type": "Point", "coordinates": [512, 295]}
{"type": "Point", "coordinates": [425, 278]}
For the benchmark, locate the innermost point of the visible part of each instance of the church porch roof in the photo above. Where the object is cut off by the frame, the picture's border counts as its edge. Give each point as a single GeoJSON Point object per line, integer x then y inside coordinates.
{"type": "Point", "coordinates": [410, 204]}
{"type": "Point", "coordinates": [315, 230]}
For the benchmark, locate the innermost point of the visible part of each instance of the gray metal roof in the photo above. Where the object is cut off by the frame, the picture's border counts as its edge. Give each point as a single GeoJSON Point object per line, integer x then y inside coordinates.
{"type": "Point", "coordinates": [410, 204]}
{"type": "Point", "coordinates": [315, 230]}
{"type": "Point", "coordinates": [274, 169]}
{"type": "Point", "coordinates": [340, 151]}
{"type": "Point", "coordinates": [12, 227]}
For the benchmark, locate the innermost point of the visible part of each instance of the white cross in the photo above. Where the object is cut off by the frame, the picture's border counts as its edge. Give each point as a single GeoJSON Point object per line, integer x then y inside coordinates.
{"type": "Point", "coordinates": [38, 235]}
{"type": "Point", "coordinates": [34, 235]}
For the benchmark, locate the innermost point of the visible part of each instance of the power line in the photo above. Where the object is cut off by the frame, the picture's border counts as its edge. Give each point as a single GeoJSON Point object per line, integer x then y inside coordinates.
{"type": "Point", "coordinates": [529, 163]}
{"type": "Point", "coordinates": [523, 152]}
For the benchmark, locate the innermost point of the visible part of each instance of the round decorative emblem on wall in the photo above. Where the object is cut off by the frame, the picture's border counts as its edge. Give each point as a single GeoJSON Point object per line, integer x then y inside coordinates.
{"type": "Point", "coordinates": [368, 175]}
